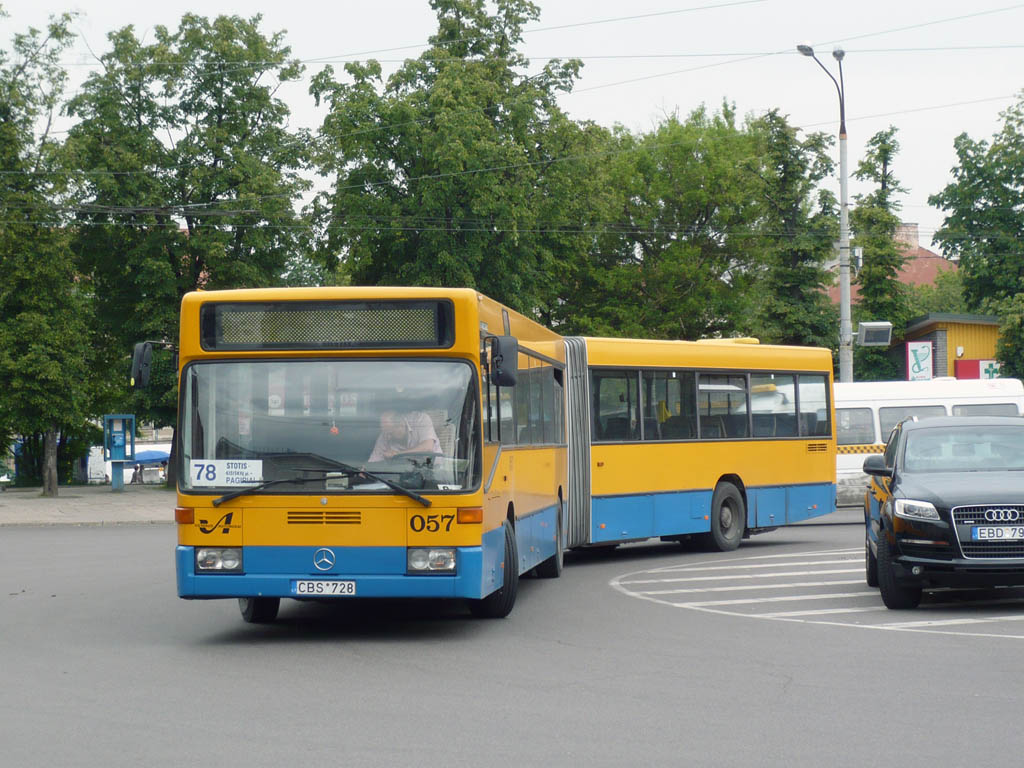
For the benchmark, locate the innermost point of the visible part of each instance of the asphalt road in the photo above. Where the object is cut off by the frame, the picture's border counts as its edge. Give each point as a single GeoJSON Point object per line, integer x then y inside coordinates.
{"type": "Point", "coordinates": [648, 655]}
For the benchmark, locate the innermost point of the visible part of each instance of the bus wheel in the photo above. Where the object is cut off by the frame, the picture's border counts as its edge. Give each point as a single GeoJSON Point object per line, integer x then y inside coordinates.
{"type": "Point", "coordinates": [259, 610]}
{"type": "Point", "coordinates": [552, 567]}
{"type": "Point", "coordinates": [498, 605]}
{"type": "Point", "coordinates": [728, 518]}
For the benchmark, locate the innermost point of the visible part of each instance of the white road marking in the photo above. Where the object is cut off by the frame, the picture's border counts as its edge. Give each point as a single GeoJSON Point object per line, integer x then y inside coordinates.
{"type": "Point", "coordinates": [698, 569]}
{"type": "Point", "coordinates": [791, 555]}
{"type": "Point", "coordinates": [761, 573]}
{"type": "Point", "coordinates": [747, 587]}
{"type": "Point", "coordinates": [821, 612]}
{"type": "Point", "coordinates": [782, 599]}
{"type": "Point", "coordinates": [749, 576]}
{"type": "Point", "coordinates": [951, 622]}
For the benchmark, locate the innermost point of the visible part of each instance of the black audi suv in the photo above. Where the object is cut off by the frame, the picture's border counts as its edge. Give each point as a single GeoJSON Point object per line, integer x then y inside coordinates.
{"type": "Point", "coordinates": [945, 507]}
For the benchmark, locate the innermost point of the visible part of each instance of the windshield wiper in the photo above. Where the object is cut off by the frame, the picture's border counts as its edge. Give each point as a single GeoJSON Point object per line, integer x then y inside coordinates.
{"type": "Point", "coordinates": [350, 470]}
{"type": "Point", "coordinates": [335, 466]}
{"type": "Point", "coordinates": [265, 484]}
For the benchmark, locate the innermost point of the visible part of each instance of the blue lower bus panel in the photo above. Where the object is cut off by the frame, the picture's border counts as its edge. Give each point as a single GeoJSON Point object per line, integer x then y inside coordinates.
{"type": "Point", "coordinates": [645, 516]}
{"type": "Point", "coordinates": [376, 571]}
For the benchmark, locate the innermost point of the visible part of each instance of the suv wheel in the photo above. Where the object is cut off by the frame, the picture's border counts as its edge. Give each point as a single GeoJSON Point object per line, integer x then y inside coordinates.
{"type": "Point", "coordinates": [894, 594]}
{"type": "Point", "coordinates": [870, 564]}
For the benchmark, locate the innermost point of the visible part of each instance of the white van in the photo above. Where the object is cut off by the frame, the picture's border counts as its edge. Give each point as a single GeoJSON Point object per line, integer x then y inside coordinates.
{"type": "Point", "coordinates": [866, 411]}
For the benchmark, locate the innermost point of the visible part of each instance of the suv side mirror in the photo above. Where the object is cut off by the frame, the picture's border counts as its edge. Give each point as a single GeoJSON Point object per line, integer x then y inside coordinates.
{"type": "Point", "coordinates": [875, 465]}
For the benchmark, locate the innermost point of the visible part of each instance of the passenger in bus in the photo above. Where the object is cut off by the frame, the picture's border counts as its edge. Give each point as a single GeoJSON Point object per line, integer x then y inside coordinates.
{"type": "Point", "coordinates": [412, 432]}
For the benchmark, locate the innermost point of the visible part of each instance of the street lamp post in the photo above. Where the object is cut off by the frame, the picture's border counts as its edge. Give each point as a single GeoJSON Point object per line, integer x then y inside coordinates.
{"type": "Point", "coordinates": [845, 326]}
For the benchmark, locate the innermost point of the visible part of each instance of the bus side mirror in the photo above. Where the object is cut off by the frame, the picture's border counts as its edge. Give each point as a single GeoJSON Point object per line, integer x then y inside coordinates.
{"type": "Point", "coordinates": [504, 360]}
{"type": "Point", "coordinates": [142, 359]}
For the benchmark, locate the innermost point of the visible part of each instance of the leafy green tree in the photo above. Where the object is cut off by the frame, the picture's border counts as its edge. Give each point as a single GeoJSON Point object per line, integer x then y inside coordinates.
{"type": "Point", "coordinates": [983, 225]}
{"type": "Point", "coordinates": [675, 261]}
{"type": "Point", "coordinates": [874, 222]}
{"type": "Point", "coordinates": [946, 294]}
{"type": "Point", "coordinates": [453, 171]}
{"type": "Point", "coordinates": [797, 229]}
{"type": "Point", "coordinates": [191, 180]}
{"type": "Point", "coordinates": [45, 337]}
{"type": "Point", "coordinates": [984, 218]}
{"type": "Point", "coordinates": [1010, 345]}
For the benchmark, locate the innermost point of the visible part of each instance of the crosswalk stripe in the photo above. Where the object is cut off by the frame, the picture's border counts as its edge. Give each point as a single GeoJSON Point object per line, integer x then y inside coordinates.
{"type": "Point", "coordinates": [750, 576]}
{"type": "Point", "coordinates": [748, 587]}
{"type": "Point", "coordinates": [951, 622]}
{"type": "Point", "coordinates": [819, 612]}
{"type": "Point", "coordinates": [783, 599]}
{"type": "Point", "coordinates": [697, 569]}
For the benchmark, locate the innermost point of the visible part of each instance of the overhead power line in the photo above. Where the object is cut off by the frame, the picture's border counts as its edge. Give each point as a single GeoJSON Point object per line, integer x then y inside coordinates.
{"type": "Point", "coordinates": [789, 50]}
{"type": "Point", "coordinates": [488, 169]}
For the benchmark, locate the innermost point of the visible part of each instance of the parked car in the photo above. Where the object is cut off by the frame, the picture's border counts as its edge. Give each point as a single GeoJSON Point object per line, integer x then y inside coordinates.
{"type": "Point", "coordinates": [945, 507]}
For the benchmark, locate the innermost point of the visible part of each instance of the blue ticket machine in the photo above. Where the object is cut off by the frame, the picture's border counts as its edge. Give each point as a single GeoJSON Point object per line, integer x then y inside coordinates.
{"type": "Point", "coordinates": [118, 445]}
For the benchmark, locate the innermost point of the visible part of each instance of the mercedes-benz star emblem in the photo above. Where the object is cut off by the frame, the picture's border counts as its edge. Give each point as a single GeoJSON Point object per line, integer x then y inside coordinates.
{"type": "Point", "coordinates": [324, 559]}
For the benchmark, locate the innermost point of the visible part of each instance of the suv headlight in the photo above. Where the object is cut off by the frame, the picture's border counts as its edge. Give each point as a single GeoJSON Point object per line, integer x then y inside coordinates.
{"type": "Point", "coordinates": [916, 510]}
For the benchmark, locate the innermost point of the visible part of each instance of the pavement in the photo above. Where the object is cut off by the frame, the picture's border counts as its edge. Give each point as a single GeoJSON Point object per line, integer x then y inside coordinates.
{"type": "Point", "coordinates": [99, 505]}
{"type": "Point", "coordinates": [88, 505]}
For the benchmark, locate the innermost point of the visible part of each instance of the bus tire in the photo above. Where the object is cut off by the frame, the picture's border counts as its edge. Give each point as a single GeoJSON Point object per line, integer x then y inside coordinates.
{"type": "Point", "coordinates": [498, 604]}
{"type": "Point", "coordinates": [552, 567]}
{"type": "Point", "coordinates": [259, 610]}
{"type": "Point", "coordinates": [728, 518]}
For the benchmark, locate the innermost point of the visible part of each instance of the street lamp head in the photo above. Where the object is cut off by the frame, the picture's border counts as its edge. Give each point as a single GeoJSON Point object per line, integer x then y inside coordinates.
{"type": "Point", "coordinates": [805, 49]}
{"type": "Point", "coordinates": [838, 53]}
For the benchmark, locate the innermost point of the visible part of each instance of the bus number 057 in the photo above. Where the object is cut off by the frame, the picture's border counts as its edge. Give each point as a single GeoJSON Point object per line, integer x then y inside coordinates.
{"type": "Point", "coordinates": [431, 523]}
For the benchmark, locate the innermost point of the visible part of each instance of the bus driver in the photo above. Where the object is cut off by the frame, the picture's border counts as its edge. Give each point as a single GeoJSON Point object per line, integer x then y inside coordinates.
{"type": "Point", "coordinates": [412, 433]}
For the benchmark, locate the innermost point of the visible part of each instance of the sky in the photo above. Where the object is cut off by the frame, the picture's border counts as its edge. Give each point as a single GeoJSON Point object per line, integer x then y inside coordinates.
{"type": "Point", "coordinates": [932, 69]}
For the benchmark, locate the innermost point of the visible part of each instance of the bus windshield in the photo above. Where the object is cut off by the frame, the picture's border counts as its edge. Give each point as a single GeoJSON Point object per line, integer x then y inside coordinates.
{"type": "Point", "coordinates": [414, 422]}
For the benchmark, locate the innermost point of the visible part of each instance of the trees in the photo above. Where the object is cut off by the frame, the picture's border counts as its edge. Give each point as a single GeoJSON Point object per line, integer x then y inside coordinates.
{"type": "Point", "coordinates": [874, 222]}
{"type": "Point", "coordinates": [946, 294]}
{"type": "Point", "coordinates": [674, 260]}
{"type": "Point", "coordinates": [796, 228]}
{"type": "Point", "coordinates": [455, 171]}
{"type": "Point", "coordinates": [45, 349]}
{"type": "Point", "coordinates": [715, 229]}
{"type": "Point", "coordinates": [191, 179]}
{"type": "Point", "coordinates": [984, 224]}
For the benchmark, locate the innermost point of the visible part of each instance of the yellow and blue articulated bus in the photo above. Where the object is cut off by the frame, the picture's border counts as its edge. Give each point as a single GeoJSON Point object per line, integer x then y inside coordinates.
{"type": "Point", "coordinates": [431, 443]}
{"type": "Point", "coordinates": [366, 442]}
{"type": "Point", "coordinates": [718, 438]}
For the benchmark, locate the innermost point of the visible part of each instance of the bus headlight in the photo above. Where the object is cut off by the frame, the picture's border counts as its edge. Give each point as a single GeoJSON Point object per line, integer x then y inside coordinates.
{"type": "Point", "coordinates": [222, 559]}
{"type": "Point", "coordinates": [433, 559]}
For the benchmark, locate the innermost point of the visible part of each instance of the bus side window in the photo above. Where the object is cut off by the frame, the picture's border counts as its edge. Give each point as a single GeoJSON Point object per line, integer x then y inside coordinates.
{"type": "Point", "coordinates": [616, 406]}
{"type": "Point", "coordinates": [813, 404]}
{"type": "Point", "coordinates": [723, 405]}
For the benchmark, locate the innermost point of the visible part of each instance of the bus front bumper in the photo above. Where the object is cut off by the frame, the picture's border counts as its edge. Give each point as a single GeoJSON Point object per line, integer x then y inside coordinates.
{"type": "Point", "coordinates": [377, 572]}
